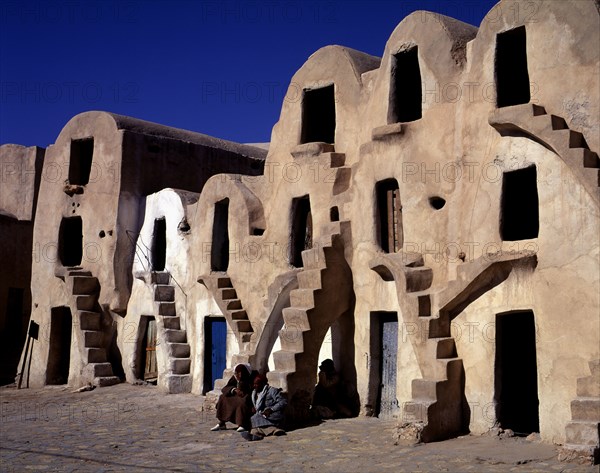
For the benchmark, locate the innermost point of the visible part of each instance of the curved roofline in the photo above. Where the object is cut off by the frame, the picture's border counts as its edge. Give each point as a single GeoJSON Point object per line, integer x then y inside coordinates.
{"type": "Point", "coordinates": [144, 127]}
{"type": "Point", "coordinates": [359, 61]}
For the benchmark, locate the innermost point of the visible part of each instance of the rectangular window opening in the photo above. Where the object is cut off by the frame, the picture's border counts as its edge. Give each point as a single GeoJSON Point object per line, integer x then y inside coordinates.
{"type": "Point", "coordinates": [389, 216]}
{"type": "Point", "coordinates": [406, 95]}
{"type": "Point", "coordinates": [318, 115]}
{"type": "Point", "coordinates": [519, 211]}
{"type": "Point", "coordinates": [219, 259]}
{"type": "Point", "coordinates": [70, 241]}
{"type": "Point", "coordinates": [301, 232]}
{"type": "Point", "coordinates": [80, 163]}
{"type": "Point", "coordinates": [512, 76]}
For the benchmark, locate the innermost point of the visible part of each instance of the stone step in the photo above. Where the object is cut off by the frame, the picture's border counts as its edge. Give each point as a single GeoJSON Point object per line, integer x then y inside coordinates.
{"type": "Point", "coordinates": [302, 298]}
{"type": "Point", "coordinates": [418, 278]}
{"type": "Point", "coordinates": [416, 410]}
{"type": "Point", "coordinates": [333, 159]}
{"type": "Point", "coordinates": [590, 159]}
{"type": "Point", "coordinates": [233, 304]}
{"type": "Point", "coordinates": [220, 383]}
{"type": "Point", "coordinates": [89, 320]}
{"type": "Point", "coordinates": [103, 381]}
{"type": "Point", "coordinates": [239, 358]}
{"type": "Point", "coordinates": [439, 327]}
{"type": "Point", "coordinates": [164, 293]}
{"type": "Point", "coordinates": [227, 293]}
{"type": "Point", "coordinates": [243, 325]}
{"type": "Point", "coordinates": [175, 336]}
{"type": "Point", "coordinates": [278, 379]}
{"type": "Point", "coordinates": [583, 433]}
{"type": "Point", "coordinates": [224, 282]}
{"type": "Point", "coordinates": [424, 302]}
{"type": "Point", "coordinates": [424, 389]}
{"type": "Point", "coordinates": [96, 355]}
{"type": "Point", "coordinates": [585, 408]}
{"type": "Point", "coordinates": [588, 386]}
{"type": "Point", "coordinates": [86, 302]}
{"type": "Point", "coordinates": [314, 258]}
{"type": "Point", "coordinates": [166, 309]}
{"type": "Point", "coordinates": [239, 315]}
{"type": "Point", "coordinates": [160, 277]}
{"type": "Point", "coordinates": [172, 322]}
{"type": "Point", "coordinates": [84, 285]}
{"type": "Point", "coordinates": [284, 360]}
{"type": "Point", "coordinates": [101, 370]}
{"type": "Point", "coordinates": [179, 365]}
{"type": "Point", "coordinates": [454, 367]}
{"type": "Point", "coordinates": [537, 110]}
{"type": "Point", "coordinates": [179, 350]}
{"type": "Point", "coordinates": [178, 383]}
{"type": "Point", "coordinates": [310, 279]}
{"type": "Point", "coordinates": [292, 339]}
{"type": "Point", "coordinates": [92, 338]}
{"type": "Point", "coordinates": [558, 123]}
{"type": "Point", "coordinates": [446, 348]}
{"type": "Point", "coordinates": [78, 272]}
{"type": "Point", "coordinates": [574, 139]}
{"type": "Point", "coordinates": [296, 317]}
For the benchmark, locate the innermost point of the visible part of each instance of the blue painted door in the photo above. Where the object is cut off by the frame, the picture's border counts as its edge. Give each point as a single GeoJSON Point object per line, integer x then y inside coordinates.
{"type": "Point", "coordinates": [219, 339]}
{"type": "Point", "coordinates": [215, 340]}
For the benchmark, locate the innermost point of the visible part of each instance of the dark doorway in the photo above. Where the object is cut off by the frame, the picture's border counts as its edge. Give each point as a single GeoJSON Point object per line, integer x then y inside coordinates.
{"type": "Point", "coordinates": [318, 115]}
{"type": "Point", "coordinates": [383, 365]}
{"type": "Point", "coordinates": [15, 313]}
{"type": "Point", "coordinates": [70, 241]}
{"type": "Point", "coordinates": [389, 216]}
{"type": "Point", "coordinates": [301, 232]}
{"type": "Point", "coordinates": [148, 368]}
{"type": "Point", "coordinates": [80, 164]}
{"type": "Point", "coordinates": [59, 353]}
{"type": "Point", "coordinates": [159, 244]}
{"type": "Point", "coordinates": [405, 88]}
{"type": "Point", "coordinates": [215, 345]}
{"type": "Point", "coordinates": [512, 76]}
{"type": "Point", "coordinates": [516, 393]}
{"type": "Point", "coordinates": [519, 211]}
{"type": "Point", "coordinates": [219, 258]}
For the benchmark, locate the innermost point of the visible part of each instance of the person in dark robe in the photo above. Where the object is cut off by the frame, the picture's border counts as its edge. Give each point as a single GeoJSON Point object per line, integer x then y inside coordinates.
{"type": "Point", "coordinates": [234, 404]}
{"type": "Point", "coordinates": [329, 398]}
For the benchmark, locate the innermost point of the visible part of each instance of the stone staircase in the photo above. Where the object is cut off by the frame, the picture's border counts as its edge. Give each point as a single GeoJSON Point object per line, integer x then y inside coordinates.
{"type": "Point", "coordinates": [437, 398]}
{"type": "Point", "coordinates": [583, 432]}
{"type": "Point", "coordinates": [226, 297]}
{"type": "Point", "coordinates": [552, 132]}
{"type": "Point", "coordinates": [85, 289]}
{"type": "Point", "coordinates": [324, 293]}
{"type": "Point", "coordinates": [178, 378]}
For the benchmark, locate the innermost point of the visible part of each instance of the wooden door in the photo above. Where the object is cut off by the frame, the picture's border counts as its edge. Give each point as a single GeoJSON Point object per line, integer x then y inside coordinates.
{"type": "Point", "coordinates": [150, 367]}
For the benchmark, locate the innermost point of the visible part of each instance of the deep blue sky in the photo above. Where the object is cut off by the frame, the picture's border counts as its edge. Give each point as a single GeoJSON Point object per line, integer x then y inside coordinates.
{"type": "Point", "coordinates": [215, 67]}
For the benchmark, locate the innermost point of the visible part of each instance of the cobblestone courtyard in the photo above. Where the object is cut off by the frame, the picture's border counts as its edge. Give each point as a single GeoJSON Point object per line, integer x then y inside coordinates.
{"type": "Point", "coordinates": [137, 428]}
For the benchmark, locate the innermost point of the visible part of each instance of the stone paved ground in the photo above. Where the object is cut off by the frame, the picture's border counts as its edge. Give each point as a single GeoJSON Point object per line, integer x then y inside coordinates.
{"type": "Point", "coordinates": [137, 428]}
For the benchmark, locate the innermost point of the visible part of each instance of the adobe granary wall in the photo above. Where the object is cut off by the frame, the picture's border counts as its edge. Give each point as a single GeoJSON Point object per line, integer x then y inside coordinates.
{"type": "Point", "coordinates": [20, 174]}
{"type": "Point", "coordinates": [89, 226]}
{"type": "Point", "coordinates": [431, 216]}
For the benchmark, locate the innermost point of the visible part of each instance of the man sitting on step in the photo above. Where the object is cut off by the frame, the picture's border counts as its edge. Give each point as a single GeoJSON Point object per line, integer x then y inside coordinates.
{"type": "Point", "coordinates": [269, 405]}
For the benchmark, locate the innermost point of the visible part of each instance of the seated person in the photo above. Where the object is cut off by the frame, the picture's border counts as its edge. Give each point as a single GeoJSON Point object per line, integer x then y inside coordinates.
{"type": "Point", "coordinates": [269, 405]}
{"type": "Point", "coordinates": [234, 403]}
{"type": "Point", "coordinates": [329, 399]}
